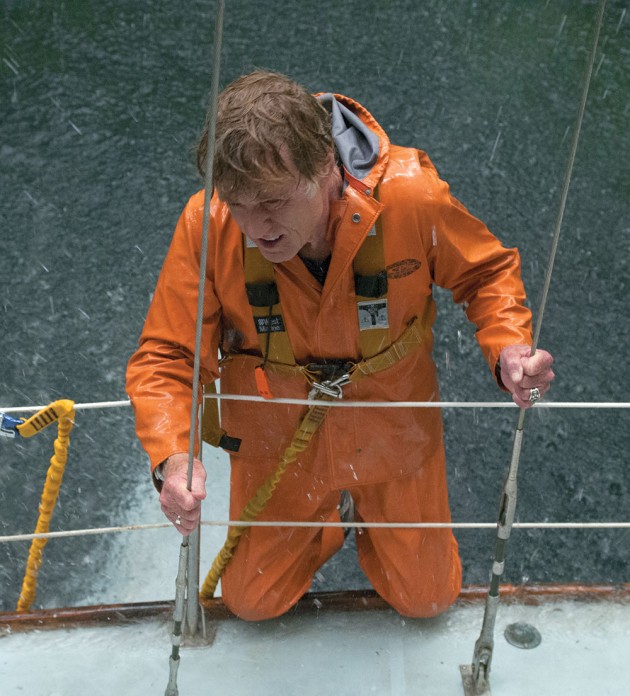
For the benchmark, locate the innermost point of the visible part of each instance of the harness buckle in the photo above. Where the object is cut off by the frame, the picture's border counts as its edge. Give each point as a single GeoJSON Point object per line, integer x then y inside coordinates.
{"type": "Point", "coordinates": [332, 375]}
{"type": "Point", "coordinates": [330, 369]}
{"type": "Point", "coordinates": [329, 387]}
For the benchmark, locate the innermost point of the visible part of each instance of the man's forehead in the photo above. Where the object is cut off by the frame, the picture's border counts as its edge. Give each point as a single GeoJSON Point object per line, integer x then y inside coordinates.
{"type": "Point", "coordinates": [267, 191]}
{"type": "Point", "coordinates": [279, 185]}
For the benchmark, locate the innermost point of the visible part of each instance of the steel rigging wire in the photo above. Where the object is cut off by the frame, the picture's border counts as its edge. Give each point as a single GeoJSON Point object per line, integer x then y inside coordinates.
{"type": "Point", "coordinates": [181, 582]}
{"type": "Point", "coordinates": [476, 676]}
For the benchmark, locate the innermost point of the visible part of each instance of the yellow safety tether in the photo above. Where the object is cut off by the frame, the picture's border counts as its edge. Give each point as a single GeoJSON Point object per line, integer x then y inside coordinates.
{"type": "Point", "coordinates": [311, 421]}
{"type": "Point", "coordinates": [63, 412]}
{"type": "Point", "coordinates": [410, 340]}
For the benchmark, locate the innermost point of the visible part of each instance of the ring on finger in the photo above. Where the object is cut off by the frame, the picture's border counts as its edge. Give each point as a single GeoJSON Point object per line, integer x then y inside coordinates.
{"type": "Point", "coordinates": [178, 520]}
{"type": "Point", "coordinates": [534, 394]}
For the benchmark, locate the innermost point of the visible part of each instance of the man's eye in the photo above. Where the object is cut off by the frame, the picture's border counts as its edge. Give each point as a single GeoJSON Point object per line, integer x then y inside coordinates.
{"type": "Point", "coordinates": [274, 204]}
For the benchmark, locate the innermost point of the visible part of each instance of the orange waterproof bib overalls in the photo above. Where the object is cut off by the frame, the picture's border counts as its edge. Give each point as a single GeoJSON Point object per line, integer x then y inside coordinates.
{"type": "Point", "coordinates": [392, 460]}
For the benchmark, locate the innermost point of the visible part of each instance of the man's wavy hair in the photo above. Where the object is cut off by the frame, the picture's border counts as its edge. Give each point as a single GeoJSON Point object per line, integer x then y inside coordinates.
{"type": "Point", "coordinates": [260, 116]}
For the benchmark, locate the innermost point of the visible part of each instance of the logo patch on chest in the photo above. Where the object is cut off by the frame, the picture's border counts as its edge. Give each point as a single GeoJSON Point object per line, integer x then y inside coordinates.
{"type": "Point", "coordinates": [401, 269]}
{"type": "Point", "coordinates": [264, 326]}
{"type": "Point", "coordinates": [373, 315]}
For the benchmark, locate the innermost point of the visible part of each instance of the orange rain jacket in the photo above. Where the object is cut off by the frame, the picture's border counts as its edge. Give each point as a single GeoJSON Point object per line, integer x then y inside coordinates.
{"type": "Point", "coordinates": [429, 237]}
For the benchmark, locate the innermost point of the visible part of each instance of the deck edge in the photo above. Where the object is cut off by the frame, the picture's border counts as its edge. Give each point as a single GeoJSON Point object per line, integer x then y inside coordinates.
{"type": "Point", "coordinates": [315, 602]}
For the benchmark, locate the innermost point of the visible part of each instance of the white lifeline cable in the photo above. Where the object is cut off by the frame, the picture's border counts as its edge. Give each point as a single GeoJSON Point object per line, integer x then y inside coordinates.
{"type": "Point", "coordinates": [344, 525]}
{"type": "Point", "coordinates": [355, 404]}
{"type": "Point", "coordinates": [365, 525]}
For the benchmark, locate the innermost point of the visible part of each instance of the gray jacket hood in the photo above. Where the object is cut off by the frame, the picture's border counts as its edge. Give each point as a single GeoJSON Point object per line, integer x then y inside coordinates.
{"type": "Point", "coordinates": [357, 145]}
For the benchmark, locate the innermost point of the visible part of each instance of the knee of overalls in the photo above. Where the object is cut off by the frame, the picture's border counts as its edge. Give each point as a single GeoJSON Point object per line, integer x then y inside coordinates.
{"type": "Point", "coordinates": [424, 596]}
{"type": "Point", "coordinates": [258, 601]}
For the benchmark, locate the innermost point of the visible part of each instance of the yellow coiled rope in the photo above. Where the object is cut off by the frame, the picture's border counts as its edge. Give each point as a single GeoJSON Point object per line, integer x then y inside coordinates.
{"type": "Point", "coordinates": [61, 411]}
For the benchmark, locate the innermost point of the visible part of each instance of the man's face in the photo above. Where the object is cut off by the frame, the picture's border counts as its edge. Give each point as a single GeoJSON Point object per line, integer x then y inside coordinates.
{"type": "Point", "coordinates": [284, 218]}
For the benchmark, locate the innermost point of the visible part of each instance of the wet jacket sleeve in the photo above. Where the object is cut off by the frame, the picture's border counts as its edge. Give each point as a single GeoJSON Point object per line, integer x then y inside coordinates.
{"type": "Point", "coordinates": [160, 373]}
{"type": "Point", "coordinates": [483, 275]}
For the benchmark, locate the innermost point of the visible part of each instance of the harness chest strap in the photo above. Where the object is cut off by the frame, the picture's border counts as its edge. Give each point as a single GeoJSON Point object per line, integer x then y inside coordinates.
{"type": "Point", "coordinates": [370, 287]}
{"type": "Point", "coordinates": [410, 339]}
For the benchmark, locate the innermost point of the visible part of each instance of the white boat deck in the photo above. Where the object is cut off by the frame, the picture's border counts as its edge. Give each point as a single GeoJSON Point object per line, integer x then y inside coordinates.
{"type": "Point", "coordinates": [585, 651]}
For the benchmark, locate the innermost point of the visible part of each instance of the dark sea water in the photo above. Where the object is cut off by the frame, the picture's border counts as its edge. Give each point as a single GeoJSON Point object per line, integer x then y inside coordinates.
{"type": "Point", "coordinates": [100, 107]}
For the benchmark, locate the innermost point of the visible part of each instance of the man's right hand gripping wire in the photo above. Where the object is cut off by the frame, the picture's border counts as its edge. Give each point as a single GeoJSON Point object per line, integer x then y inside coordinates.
{"type": "Point", "coordinates": [181, 506]}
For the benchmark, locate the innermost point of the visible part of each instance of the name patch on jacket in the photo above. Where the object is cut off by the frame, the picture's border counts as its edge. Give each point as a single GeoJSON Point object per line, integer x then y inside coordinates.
{"type": "Point", "coordinates": [373, 315]}
{"type": "Point", "coordinates": [269, 324]}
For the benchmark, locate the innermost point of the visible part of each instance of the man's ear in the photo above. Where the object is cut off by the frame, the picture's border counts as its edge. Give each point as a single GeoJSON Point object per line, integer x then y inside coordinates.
{"type": "Point", "coordinates": [331, 161]}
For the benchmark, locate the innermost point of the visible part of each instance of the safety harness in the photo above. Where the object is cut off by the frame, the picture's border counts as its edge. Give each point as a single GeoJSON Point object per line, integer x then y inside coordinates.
{"type": "Point", "coordinates": [370, 282]}
{"type": "Point", "coordinates": [326, 380]}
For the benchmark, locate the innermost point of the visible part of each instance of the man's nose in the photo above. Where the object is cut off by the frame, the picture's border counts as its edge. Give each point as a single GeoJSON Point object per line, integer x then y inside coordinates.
{"type": "Point", "coordinates": [257, 224]}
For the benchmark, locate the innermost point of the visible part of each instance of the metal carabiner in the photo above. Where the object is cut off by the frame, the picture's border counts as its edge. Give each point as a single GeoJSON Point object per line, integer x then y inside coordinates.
{"type": "Point", "coordinates": [330, 387]}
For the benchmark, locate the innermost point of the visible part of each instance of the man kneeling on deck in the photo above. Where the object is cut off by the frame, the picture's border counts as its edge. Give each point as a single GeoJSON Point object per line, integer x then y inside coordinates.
{"type": "Point", "coordinates": [325, 240]}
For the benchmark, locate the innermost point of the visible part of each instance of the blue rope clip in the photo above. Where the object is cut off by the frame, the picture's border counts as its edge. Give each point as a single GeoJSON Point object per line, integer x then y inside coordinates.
{"type": "Point", "coordinates": [8, 425]}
